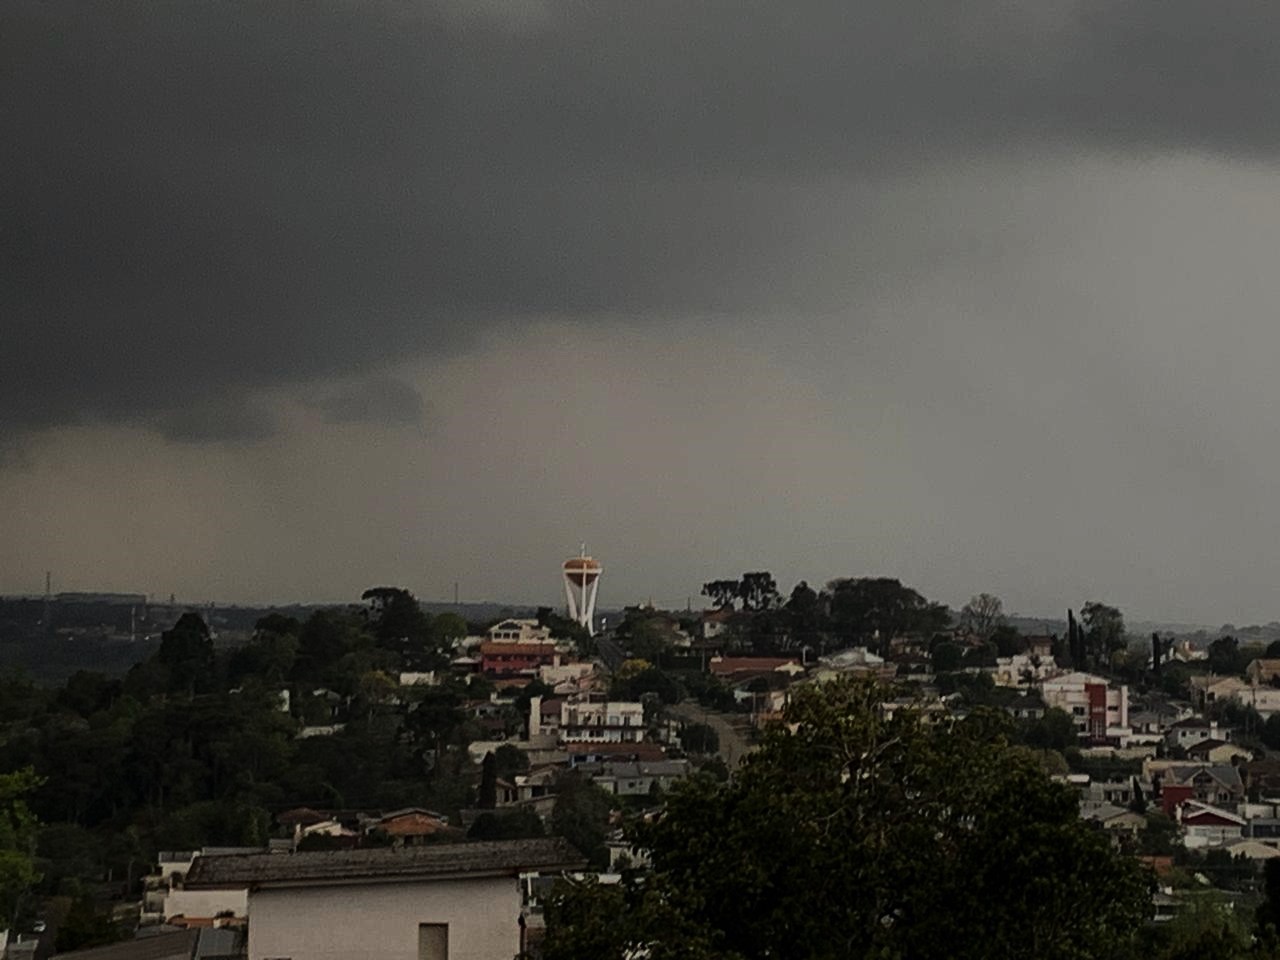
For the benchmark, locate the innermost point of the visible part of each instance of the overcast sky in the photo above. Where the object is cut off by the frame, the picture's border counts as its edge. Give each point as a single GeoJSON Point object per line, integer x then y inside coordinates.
{"type": "Point", "coordinates": [982, 294]}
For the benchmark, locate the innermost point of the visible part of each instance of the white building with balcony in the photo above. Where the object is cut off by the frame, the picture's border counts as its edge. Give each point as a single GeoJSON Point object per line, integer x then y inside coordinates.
{"type": "Point", "coordinates": [601, 721]}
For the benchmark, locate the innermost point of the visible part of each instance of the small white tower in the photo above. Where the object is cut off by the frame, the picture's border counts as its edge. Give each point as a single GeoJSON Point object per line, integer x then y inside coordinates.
{"type": "Point", "coordinates": [581, 580]}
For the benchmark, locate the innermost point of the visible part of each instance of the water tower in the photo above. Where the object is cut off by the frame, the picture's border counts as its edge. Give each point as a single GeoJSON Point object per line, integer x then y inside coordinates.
{"type": "Point", "coordinates": [581, 580]}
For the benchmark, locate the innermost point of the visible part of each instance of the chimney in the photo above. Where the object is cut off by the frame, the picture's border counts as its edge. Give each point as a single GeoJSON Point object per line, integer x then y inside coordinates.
{"type": "Point", "coordinates": [535, 717]}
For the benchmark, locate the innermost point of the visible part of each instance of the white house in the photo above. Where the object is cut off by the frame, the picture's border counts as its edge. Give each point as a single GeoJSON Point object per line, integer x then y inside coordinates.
{"type": "Point", "coordinates": [601, 721]}
{"type": "Point", "coordinates": [1023, 670]}
{"type": "Point", "coordinates": [519, 631]}
{"type": "Point", "coordinates": [1187, 733]}
{"type": "Point", "coordinates": [1100, 711]}
{"type": "Point", "coordinates": [446, 901]}
{"type": "Point", "coordinates": [1209, 826]}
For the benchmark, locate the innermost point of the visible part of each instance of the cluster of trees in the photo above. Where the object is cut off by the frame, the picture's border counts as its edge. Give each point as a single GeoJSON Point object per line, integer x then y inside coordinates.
{"type": "Point", "coordinates": [848, 610]}
{"type": "Point", "coordinates": [853, 833]}
{"type": "Point", "coordinates": [198, 745]}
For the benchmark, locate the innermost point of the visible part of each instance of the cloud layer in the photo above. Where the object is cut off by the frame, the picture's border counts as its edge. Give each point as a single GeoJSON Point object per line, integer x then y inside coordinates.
{"type": "Point", "coordinates": [206, 202]}
{"type": "Point", "coordinates": [978, 293]}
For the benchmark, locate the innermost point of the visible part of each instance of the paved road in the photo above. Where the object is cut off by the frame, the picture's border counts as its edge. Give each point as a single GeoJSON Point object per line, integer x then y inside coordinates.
{"type": "Point", "coordinates": [733, 743]}
{"type": "Point", "coordinates": [610, 652]}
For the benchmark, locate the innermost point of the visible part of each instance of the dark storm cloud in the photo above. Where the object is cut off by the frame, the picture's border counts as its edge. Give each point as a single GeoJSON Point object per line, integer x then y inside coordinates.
{"type": "Point", "coordinates": [201, 201]}
{"type": "Point", "coordinates": [383, 400]}
{"type": "Point", "coordinates": [227, 420]}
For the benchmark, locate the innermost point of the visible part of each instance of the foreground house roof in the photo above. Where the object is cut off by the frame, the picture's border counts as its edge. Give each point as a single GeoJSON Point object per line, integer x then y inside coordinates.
{"type": "Point", "coordinates": [188, 944]}
{"type": "Point", "coordinates": [439, 861]}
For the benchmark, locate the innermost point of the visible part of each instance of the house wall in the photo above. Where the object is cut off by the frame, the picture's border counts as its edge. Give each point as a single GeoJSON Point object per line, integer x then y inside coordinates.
{"type": "Point", "coordinates": [380, 921]}
{"type": "Point", "coordinates": [612, 722]}
{"type": "Point", "coordinates": [205, 903]}
{"type": "Point", "coordinates": [1211, 835]}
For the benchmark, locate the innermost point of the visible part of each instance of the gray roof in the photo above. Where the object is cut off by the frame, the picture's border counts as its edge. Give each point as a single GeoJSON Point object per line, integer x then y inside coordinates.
{"type": "Point", "coordinates": [435, 861]}
{"type": "Point", "coordinates": [166, 946]}
{"type": "Point", "coordinates": [1227, 775]}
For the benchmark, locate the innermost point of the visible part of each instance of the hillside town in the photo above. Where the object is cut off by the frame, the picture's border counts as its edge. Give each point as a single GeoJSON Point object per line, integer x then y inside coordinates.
{"type": "Point", "coordinates": [542, 745]}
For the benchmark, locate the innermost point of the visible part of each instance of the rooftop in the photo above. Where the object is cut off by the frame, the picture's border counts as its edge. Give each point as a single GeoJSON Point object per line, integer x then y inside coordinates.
{"type": "Point", "coordinates": [431, 862]}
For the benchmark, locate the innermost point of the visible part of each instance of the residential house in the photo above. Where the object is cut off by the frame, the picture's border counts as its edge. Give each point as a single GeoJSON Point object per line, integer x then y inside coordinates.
{"type": "Point", "coordinates": [571, 677]}
{"type": "Point", "coordinates": [1209, 688]}
{"type": "Point", "coordinates": [1253, 850]}
{"type": "Point", "coordinates": [1112, 792]}
{"type": "Point", "coordinates": [445, 901]}
{"type": "Point", "coordinates": [1215, 751]}
{"type": "Point", "coordinates": [596, 720]}
{"type": "Point", "coordinates": [580, 753]}
{"type": "Point", "coordinates": [1185, 652]}
{"type": "Point", "coordinates": [1187, 733]}
{"type": "Point", "coordinates": [1155, 716]}
{"type": "Point", "coordinates": [852, 661]}
{"type": "Point", "coordinates": [636, 779]}
{"type": "Point", "coordinates": [1264, 699]}
{"type": "Point", "coordinates": [1264, 671]}
{"type": "Point", "coordinates": [1026, 706]}
{"type": "Point", "coordinates": [544, 716]}
{"type": "Point", "coordinates": [1099, 710]}
{"type": "Point", "coordinates": [516, 659]}
{"type": "Point", "coordinates": [416, 825]}
{"type": "Point", "coordinates": [735, 670]}
{"type": "Point", "coordinates": [1119, 822]}
{"type": "Point", "coordinates": [1024, 670]}
{"type": "Point", "coordinates": [166, 897]}
{"type": "Point", "coordinates": [1208, 826]}
{"type": "Point", "coordinates": [1039, 646]}
{"type": "Point", "coordinates": [1217, 784]}
{"type": "Point", "coordinates": [519, 631]}
{"type": "Point", "coordinates": [192, 943]}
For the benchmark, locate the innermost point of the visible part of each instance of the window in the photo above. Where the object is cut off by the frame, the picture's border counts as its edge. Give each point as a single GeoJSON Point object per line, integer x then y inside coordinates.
{"type": "Point", "coordinates": [433, 941]}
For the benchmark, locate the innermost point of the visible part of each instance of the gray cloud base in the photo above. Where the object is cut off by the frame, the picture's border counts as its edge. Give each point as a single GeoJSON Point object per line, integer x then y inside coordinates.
{"type": "Point", "coordinates": [203, 202]}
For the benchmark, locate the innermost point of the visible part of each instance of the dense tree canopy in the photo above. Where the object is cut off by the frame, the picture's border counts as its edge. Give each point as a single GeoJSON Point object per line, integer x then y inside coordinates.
{"type": "Point", "coordinates": [866, 608]}
{"type": "Point", "coordinates": [17, 842]}
{"type": "Point", "coordinates": [855, 834]}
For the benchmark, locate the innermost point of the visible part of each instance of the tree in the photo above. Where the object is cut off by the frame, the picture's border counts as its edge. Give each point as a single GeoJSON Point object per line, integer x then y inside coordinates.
{"type": "Point", "coordinates": [863, 609]}
{"type": "Point", "coordinates": [812, 850]}
{"type": "Point", "coordinates": [1104, 631]}
{"type": "Point", "coordinates": [1268, 911]}
{"type": "Point", "coordinates": [399, 623]}
{"type": "Point", "coordinates": [487, 797]}
{"type": "Point", "coordinates": [982, 614]}
{"type": "Point", "coordinates": [650, 680]}
{"type": "Point", "coordinates": [85, 927]}
{"type": "Point", "coordinates": [186, 651]}
{"type": "Point", "coordinates": [513, 825]}
{"type": "Point", "coordinates": [699, 738]}
{"type": "Point", "coordinates": [581, 815]}
{"type": "Point", "coordinates": [1008, 640]}
{"type": "Point", "coordinates": [510, 760]}
{"type": "Point", "coordinates": [946, 657]}
{"type": "Point", "coordinates": [18, 830]}
{"type": "Point", "coordinates": [722, 593]}
{"type": "Point", "coordinates": [759, 591]}
{"type": "Point", "coordinates": [1053, 731]}
{"type": "Point", "coordinates": [805, 615]}
{"type": "Point", "coordinates": [1225, 657]}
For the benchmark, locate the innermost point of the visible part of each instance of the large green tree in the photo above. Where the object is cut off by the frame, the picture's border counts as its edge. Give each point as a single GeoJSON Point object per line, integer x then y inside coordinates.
{"type": "Point", "coordinates": [18, 830]}
{"type": "Point", "coordinates": [186, 652]}
{"type": "Point", "coordinates": [866, 608]}
{"type": "Point", "coordinates": [1104, 631]}
{"type": "Point", "coordinates": [855, 834]}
